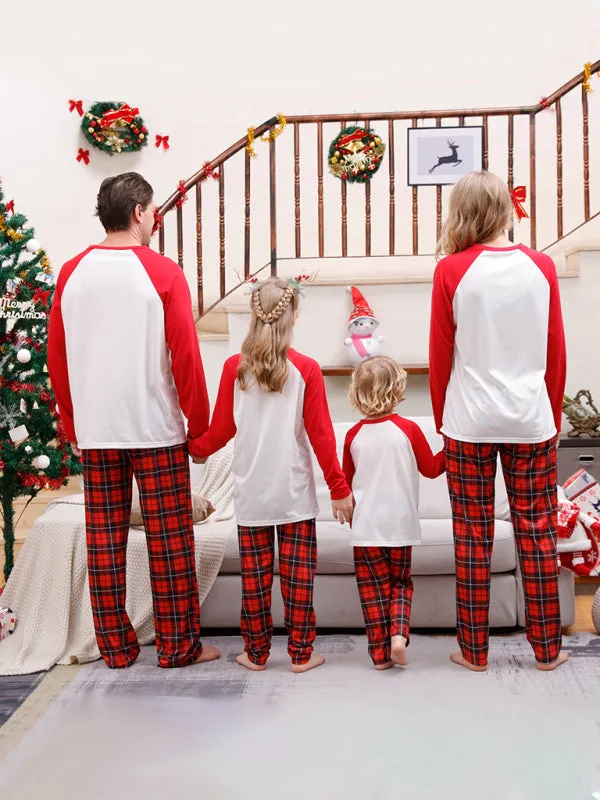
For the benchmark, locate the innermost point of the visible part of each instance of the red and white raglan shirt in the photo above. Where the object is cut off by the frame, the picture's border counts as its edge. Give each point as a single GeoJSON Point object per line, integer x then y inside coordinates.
{"type": "Point", "coordinates": [123, 351]}
{"type": "Point", "coordinates": [272, 465]}
{"type": "Point", "coordinates": [497, 356]}
{"type": "Point", "coordinates": [382, 461]}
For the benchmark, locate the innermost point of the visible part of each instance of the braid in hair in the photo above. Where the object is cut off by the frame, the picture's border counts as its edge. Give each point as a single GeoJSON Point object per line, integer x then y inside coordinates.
{"type": "Point", "coordinates": [277, 311]}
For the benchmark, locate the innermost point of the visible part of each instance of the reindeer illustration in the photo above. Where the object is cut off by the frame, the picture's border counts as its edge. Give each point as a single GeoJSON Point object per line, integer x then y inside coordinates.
{"type": "Point", "coordinates": [451, 159]}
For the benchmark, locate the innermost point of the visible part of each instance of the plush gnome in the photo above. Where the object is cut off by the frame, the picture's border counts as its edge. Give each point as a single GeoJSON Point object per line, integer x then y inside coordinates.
{"type": "Point", "coordinates": [362, 325]}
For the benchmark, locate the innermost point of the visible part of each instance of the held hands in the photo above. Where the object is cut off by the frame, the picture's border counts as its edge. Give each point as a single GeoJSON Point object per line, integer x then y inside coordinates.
{"type": "Point", "coordinates": [76, 450]}
{"type": "Point", "coordinates": [343, 509]}
{"type": "Point", "coordinates": [198, 460]}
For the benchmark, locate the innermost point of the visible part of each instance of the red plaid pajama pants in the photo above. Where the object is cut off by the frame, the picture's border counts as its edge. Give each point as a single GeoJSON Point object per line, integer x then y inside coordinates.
{"type": "Point", "coordinates": [385, 589]}
{"type": "Point", "coordinates": [163, 478]}
{"type": "Point", "coordinates": [530, 477]}
{"type": "Point", "coordinates": [297, 567]}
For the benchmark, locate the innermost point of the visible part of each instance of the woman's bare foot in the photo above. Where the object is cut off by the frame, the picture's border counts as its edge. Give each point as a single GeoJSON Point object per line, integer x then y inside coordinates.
{"type": "Point", "coordinates": [459, 659]}
{"type": "Point", "coordinates": [244, 661]}
{"type": "Point", "coordinates": [315, 661]}
{"type": "Point", "coordinates": [560, 659]}
{"type": "Point", "coordinates": [209, 653]}
{"type": "Point", "coordinates": [399, 651]}
{"type": "Point", "coordinates": [387, 665]}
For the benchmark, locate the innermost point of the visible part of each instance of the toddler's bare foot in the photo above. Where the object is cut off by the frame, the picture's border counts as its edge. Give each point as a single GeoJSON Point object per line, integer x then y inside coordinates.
{"type": "Point", "coordinates": [209, 653]}
{"type": "Point", "coordinates": [315, 661]}
{"type": "Point", "coordinates": [560, 659]}
{"type": "Point", "coordinates": [244, 661]}
{"type": "Point", "coordinates": [387, 665]}
{"type": "Point", "coordinates": [459, 659]}
{"type": "Point", "coordinates": [399, 651]}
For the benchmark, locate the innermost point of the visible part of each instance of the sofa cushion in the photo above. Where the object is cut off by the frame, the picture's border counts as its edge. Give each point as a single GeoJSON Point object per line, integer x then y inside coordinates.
{"type": "Point", "coordinates": [435, 556]}
{"type": "Point", "coordinates": [434, 501]}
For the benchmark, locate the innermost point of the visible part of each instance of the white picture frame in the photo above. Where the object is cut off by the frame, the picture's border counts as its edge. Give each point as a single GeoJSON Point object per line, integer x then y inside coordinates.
{"type": "Point", "coordinates": [442, 156]}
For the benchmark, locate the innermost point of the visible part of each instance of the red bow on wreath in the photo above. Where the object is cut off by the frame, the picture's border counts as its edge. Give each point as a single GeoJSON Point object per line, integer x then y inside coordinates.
{"type": "Point", "coordinates": [519, 195]}
{"type": "Point", "coordinates": [41, 297]}
{"type": "Point", "coordinates": [10, 207]}
{"type": "Point", "coordinates": [352, 137]}
{"type": "Point", "coordinates": [76, 105]}
{"type": "Point", "coordinates": [83, 155]}
{"type": "Point", "coordinates": [125, 113]}
{"type": "Point", "coordinates": [162, 140]}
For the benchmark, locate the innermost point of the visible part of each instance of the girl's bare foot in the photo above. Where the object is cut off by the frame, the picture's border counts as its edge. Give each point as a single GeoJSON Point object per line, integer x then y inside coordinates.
{"type": "Point", "coordinates": [459, 659]}
{"type": "Point", "coordinates": [209, 653]}
{"type": "Point", "coordinates": [399, 651]}
{"type": "Point", "coordinates": [244, 661]}
{"type": "Point", "coordinates": [315, 661]}
{"type": "Point", "coordinates": [560, 659]}
{"type": "Point", "coordinates": [387, 665]}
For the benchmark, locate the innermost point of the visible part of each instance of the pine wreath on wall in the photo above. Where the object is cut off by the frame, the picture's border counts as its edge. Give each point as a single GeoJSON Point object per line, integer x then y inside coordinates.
{"type": "Point", "coordinates": [355, 154]}
{"type": "Point", "coordinates": [114, 128]}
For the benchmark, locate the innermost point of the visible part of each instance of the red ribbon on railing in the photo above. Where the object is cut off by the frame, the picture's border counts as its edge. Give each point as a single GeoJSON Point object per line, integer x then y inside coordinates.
{"type": "Point", "coordinates": [158, 221]}
{"type": "Point", "coordinates": [162, 140]}
{"type": "Point", "coordinates": [83, 155]}
{"type": "Point", "coordinates": [519, 195]}
{"type": "Point", "coordinates": [126, 113]}
{"type": "Point", "coordinates": [76, 105]}
{"type": "Point", "coordinates": [209, 172]}
{"type": "Point", "coordinates": [182, 194]}
{"type": "Point", "coordinates": [10, 206]}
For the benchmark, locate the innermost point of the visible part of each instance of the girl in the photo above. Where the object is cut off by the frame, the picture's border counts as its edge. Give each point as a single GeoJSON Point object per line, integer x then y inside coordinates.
{"type": "Point", "coordinates": [497, 372]}
{"type": "Point", "coordinates": [272, 400]}
{"type": "Point", "coordinates": [383, 456]}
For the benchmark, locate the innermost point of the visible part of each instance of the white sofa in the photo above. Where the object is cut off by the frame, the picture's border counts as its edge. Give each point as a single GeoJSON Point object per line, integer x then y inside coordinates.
{"type": "Point", "coordinates": [336, 598]}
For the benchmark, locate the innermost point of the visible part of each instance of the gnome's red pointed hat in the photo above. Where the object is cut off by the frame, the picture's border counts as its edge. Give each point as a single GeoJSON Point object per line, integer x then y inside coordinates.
{"type": "Point", "coordinates": [360, 307]}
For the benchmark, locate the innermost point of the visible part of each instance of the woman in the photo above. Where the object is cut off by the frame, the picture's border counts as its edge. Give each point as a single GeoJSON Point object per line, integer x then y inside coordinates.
{"type": "Point", "coordinates": [497, 376]}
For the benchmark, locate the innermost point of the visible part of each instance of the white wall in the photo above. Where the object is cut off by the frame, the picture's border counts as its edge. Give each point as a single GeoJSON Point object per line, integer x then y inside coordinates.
{"type": "Point", "coordinates": [203, 72]}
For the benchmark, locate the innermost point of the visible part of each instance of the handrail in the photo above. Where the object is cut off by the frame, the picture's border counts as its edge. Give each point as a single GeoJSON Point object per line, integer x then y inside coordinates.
{"type": "Point", "coordinates": [216, 162]}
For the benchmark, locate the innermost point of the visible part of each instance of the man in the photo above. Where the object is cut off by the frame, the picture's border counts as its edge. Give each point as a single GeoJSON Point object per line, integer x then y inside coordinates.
{"type": "Point", "coordinates": [125, 368]}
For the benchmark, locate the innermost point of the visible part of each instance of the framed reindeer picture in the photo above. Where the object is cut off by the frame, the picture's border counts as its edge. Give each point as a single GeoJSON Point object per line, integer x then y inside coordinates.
{"type": "Point", "coordinates": [440, 156]}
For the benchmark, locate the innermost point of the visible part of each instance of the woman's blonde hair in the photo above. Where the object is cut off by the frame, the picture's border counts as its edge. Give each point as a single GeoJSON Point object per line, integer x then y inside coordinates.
{"type": "Point", "coordinates": [480, 209]}
{"type": "Point", "coordinates": [378, 385]}
{"type": "Point", "coordinates": [264, 351]}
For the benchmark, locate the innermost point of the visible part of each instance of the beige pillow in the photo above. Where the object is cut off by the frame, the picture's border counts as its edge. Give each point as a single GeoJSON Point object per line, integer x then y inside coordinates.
{"type": "Point", "coordinates": [201, 509]}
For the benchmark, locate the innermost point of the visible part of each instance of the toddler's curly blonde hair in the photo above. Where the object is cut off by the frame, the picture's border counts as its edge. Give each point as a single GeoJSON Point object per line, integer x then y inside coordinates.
{"type": "Point", "coordinates": [377, 387]}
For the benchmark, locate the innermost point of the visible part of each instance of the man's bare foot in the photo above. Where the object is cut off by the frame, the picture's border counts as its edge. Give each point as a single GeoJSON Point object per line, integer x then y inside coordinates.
{"type": "Point", "coordinates": [387, 665]}
{"type": "Point", "coordinates": [459, 659]}
{"type": "Point", "coordinates": [315, 661]}
{"type": "Point", "coordinates": [399, 651]}
{"type": "Point", "coordinates": [245, 662]}
{"type": "Point", "coordinates": [209, 653]}
{"type": "Point", "coordinates": [560, 659]}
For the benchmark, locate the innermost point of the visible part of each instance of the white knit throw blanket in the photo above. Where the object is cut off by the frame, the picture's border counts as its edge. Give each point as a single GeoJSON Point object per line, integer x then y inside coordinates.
{"type": "Point", "coordinates": [48, 588]}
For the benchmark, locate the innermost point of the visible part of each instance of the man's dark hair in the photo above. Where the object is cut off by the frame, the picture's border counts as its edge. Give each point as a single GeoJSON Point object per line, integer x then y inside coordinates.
{"type": "Point", "coordinates": [118, 197]}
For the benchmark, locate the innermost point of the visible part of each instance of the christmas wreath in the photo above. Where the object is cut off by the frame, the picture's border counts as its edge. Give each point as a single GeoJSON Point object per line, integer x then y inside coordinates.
{"type": "Point", "coordinates": [114, 128]}
{"type": "Point", "coordinates": [355, 154]}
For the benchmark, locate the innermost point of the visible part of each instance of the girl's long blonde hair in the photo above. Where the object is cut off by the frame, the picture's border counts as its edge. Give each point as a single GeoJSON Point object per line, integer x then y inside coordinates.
{"type": "Point", "coordinates": [480, 210]}
{"type": "Point", "coordinates": [274, 303]}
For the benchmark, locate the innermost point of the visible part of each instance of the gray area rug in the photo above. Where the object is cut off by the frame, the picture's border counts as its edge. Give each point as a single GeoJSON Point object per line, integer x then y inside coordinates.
{"type": "Point", "coordinates": [431, 732]}
{"type": "Point", "coordinates": [14, 690]}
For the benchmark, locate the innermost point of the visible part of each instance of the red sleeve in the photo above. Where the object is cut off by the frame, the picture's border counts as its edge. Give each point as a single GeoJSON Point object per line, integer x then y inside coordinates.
{"type": "Point", "coordinates": [186, 364]}
{"type": "Point", "coordinates": [58, 368]}
{"type": "Point", "coordinates": [319, 427]}
{"type": "Point", "coordinates": [348, 461]}
{"type": "Point", "coordinates": [429, 466]}
{"type": "Point", "coordinates": [441, 344]}
{"type": "Point", "coordinates": [222, 426]}
{"type": "Point", "coordinates": [556, 361]}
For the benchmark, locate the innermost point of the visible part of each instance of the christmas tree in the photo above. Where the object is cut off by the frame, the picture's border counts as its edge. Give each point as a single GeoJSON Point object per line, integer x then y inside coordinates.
{"type": "Point", "coordinates": [34, 452]}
